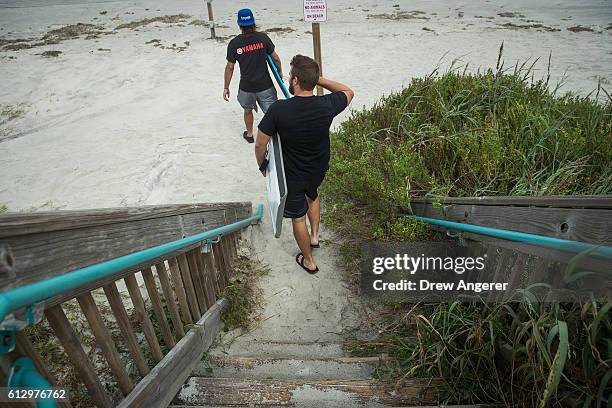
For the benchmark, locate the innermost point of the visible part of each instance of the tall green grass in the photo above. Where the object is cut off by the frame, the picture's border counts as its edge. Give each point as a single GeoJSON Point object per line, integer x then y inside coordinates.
{"type": "Point", "coordinates": [497, 132]}
{"type": "Point", "coordinates": [469, 134]}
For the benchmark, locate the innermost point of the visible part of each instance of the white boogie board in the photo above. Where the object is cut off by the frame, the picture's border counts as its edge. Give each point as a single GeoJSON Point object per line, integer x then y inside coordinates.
{"type": "Point", "coordinates": [275, 172]}
{"type": "Point", "coordinates": [276, 184]}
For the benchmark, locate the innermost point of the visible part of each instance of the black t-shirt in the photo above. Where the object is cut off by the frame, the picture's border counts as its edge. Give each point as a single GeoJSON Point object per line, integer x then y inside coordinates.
{"type": "Point", "coordinates": [303, 124]}
{"type": "Point", "coordinates": [250, 51]}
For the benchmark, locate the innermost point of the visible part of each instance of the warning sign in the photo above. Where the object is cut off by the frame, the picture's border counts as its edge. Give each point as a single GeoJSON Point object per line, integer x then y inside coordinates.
{"type": "Point", "coordinates": [315, 10]}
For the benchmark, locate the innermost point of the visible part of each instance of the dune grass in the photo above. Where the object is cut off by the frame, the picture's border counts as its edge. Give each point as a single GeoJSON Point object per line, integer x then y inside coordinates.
{"type": "Point", "coordinates": [243, 294]}
{"type": "Point", "coordinates": [496, 132]}
{"type": "Point", "coordinates": [468, 134]}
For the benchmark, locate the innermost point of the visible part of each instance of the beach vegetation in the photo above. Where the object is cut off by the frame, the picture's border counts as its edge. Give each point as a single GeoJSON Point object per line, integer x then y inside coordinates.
{"type": "Point", "coordinates": [459, 133]}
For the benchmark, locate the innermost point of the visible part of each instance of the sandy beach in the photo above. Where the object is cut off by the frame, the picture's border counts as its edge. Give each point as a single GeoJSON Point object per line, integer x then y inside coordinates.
{"type": "Point", "coordinates": [134, 115]}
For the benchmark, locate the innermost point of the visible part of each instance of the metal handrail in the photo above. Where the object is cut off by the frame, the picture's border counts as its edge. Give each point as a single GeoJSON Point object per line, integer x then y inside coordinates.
{"type": "Point", "coordinates": [533, 239]}
{"type": "Point", "coordinates": [40, 291]}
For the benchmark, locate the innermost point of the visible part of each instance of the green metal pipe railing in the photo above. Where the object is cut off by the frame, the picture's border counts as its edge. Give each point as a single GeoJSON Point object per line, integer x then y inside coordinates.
{"type": "Point", "coordinates": [46, 289]}
{"type": "Point", "coordinates": [515, 236]}
{"type": "Point", "coordinates": [23, 376]}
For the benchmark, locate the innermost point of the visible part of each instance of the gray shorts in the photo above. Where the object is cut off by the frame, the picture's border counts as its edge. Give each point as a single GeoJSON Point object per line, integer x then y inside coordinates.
{"type": "Point", "coordinates": [249, 100]}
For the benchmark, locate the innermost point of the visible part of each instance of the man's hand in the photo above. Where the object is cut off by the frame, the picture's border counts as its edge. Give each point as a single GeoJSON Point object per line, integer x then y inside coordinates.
{"type": "Point", "coordinates": [227, 78]}
{"type": "Point", "coordinates": [261, 144]}
{"type": "Point", "coordinates": [333, 86]}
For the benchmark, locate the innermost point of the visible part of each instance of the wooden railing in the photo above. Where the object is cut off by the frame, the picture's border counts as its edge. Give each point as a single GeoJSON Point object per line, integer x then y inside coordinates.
{"type": "Point", "coordinates": [585, 219]}
{"type": "Point", "coordinates": [178, 318]}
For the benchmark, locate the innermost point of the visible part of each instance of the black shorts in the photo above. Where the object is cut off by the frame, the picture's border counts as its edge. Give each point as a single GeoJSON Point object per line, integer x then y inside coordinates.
{"type": "Point", "coordinates": [296, 205]}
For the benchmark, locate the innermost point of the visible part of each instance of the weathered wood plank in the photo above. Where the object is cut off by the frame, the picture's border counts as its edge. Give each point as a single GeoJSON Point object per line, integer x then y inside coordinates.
{"type": "Point", "coordinates": [73, 348]}
{"type": "Point", "coordinates": [273, 392]}
{"type": "Point", "coordinates": [220, 266]}
{"type": "Point", "coordinates": [211, 274]}
{"type": "Point", "coordinates": [216, 266]}
{"type": "Point", "coordinates": [105, 342]}
{"type": "Point", "coordinates": [162, 274]}
{"type": "Point", "coordinates": [179, 288]}
{"type": "Point", "coordinates": [158, 309]}
{"type": "Point", "coordinates": [189, 287]}
{"type": "Point", "coordinates": [227, 254]}
{"type": "Point", "coordinates": [209, 285]}
{"type": "Point", "coordinates": [585, 201]}
{"type": "Point", "coordinates": [122, 318]}
{"type": "Point", "coordinates": [158, 388]}
{"type": "Point", "coordinates": [205, 278]}
{"type": "Point", "coordinates": [71, 294]}
{"type": "Point", "coordinates": [17, 223]}
{"type": "Point", "coordinates": [584, 225]}
{"type": "Point", "coordinates": [563, 257]}
{"type": "Point", "coordinates": [234, 244]}
{"type": "Point", "coordinates": [143, 317]}
{"type": "Point", "coordinates": [46, 252]}
{"type": "Point", "coordinates": [196, 278]}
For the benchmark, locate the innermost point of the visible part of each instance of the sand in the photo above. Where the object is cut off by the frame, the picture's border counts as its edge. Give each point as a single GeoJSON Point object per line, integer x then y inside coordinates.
{"type": "Point", "coordinates": [125, 111]}
{"type": "Point", "coordinates": [118, 120]}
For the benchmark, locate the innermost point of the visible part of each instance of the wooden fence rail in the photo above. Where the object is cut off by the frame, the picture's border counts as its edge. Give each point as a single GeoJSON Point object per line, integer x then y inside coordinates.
{"type": "Point", "coordinates": [176, 315]}
{"type": "Point", "coordinates": [576, 218]}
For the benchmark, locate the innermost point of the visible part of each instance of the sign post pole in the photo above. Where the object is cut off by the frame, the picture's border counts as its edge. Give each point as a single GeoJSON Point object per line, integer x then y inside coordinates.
{"type": "Point", "coordinates": [315, 11]}
{"type": "Point", "coordinates": [211, 19]}
{"type": "Point", "coordinates": [316, 43]}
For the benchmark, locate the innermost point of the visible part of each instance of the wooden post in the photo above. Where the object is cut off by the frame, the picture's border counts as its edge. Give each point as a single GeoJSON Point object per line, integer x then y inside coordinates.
{"type": "Point", "coordinates": [105, 342]}
{"type": "Point", "coordinates": [143, 317]}
{"type": "Point", "coordinates": [189, 287]}
{"type": "Point", "coordinates": [196, 277]}
{"type": "Point", "coordinates": [73, 348]}
{"type": "Point", "coordinates": [316, 43]}
{"type": "Point", "coordinates": [179, 288]}
{"type": "Point", "coordinates": [207, 281]}
{"type": "Point", "coordinates": [158, 309]}
{"type": "Point", "coordinates": [123, 321]}
{"type": "Point", "coordinates": [164, 281]}
{"type": "Point", "coordinates": [211, 20]}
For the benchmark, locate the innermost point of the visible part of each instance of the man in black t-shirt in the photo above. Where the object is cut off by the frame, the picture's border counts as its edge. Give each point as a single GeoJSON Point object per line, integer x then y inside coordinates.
{"type": "Point", "coordinates": [250, 49]}
{"type": "Point", "coordinates": [303, 123]}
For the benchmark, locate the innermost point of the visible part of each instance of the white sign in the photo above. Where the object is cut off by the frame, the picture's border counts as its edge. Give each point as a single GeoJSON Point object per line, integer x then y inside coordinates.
{"type": "Point", "coordinates": [315, 10]}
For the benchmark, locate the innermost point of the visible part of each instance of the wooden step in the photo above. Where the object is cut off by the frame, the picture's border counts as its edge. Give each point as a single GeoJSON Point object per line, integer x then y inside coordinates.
{"type": "Point", "coordinates": [226, 392]}
{"type": "Point", "coordinates": [289, 367]}
{"type": "Point", "coordinates": [274, 348]}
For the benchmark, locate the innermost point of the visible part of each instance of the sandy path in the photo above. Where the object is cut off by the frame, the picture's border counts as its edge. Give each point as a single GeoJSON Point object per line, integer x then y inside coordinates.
{"type": "Point", "coordinates": [114, 121]}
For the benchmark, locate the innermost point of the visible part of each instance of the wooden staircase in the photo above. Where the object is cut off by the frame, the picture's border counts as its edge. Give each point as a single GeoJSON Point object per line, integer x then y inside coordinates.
{"type": "Point", "coordinates": [326, 378]}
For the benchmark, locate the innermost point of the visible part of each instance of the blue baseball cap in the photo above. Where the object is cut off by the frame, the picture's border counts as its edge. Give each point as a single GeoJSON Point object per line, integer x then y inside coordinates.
{"type": "Point", "coordinates": [245, 18]}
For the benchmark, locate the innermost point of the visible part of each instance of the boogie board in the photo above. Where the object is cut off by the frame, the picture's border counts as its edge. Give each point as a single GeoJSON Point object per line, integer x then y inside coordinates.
{"type": "Point", "coordinates": [275, 170]}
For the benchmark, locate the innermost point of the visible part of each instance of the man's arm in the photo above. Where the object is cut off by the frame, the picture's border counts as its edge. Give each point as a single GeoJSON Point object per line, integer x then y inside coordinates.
{"type": "Point", "coordinates": [229, 72]}
{"type": "Point", "coordinates": [333, 86]}
{"type": "Point", "coordinates": [261, 145]}
{"type": "Point", "coordinates": [277, 62]}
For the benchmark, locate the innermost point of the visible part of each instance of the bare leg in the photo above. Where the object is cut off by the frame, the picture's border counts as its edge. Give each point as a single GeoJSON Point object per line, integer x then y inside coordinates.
{"type": "Point", "coordinates": [248, 121]}
{"type": "Point", "coordinates": [314, 216]}
{"type": "Point", "coordinates": [300, 232]}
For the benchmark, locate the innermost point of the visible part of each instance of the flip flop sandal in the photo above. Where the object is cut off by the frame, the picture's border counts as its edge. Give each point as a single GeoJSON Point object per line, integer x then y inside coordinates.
{"type": "Point", "coordinates": [301, 263]}
{"type": "Point", "coordinates": [248, 138]}
{"type": "Point", "coordinates": [314, 246]}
